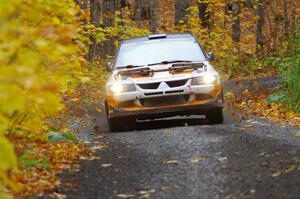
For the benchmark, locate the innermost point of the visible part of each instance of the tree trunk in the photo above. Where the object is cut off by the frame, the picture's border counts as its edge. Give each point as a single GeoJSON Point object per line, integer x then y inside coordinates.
{"type": "Point", "coordinates": [294, 17]}
{"type": "Point", "coordinates": [180, 10]}
{"type": "Point", "coordinates": [204, 14]}
{"type": "Point", "coordinates": [82, 4]}
{"type": "Point", "coordinates": [260, 12]}
{"type": "Point", "coordinates": [94, 49]}
{"type": "Point", "coordinates": [236, 26]}
{"type": "Point", "coordinates": [153, 7]}
{"type": "Point", "coordinates": [286, 19]}
{"type": "Point", "coordinates": [138, 11]}
{"type": "Point", "coordinates": [108, 21]}
{"type": "Point", "coordinates": [108, 11]}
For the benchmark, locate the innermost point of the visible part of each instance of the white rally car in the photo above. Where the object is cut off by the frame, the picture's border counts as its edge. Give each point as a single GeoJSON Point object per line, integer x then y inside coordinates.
{"type": "Point", "coordinates": [162, 75]}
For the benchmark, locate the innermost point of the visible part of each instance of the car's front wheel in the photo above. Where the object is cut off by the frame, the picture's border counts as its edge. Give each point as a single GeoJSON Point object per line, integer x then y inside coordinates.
{"type": "Point", "coordinates": [215, 116]}
{"type": "Point", "coordinates": [119, 123]}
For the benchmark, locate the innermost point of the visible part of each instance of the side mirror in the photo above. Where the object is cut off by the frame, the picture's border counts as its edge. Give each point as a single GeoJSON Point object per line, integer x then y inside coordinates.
{"type": "Point", "coordinates": [210, 56]}
{"type": "Point", "coordinates": [109, 66]}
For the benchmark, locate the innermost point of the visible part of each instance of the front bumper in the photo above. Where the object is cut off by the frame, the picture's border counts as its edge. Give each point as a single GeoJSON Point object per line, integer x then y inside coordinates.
{"type": "Point", "coordinates": [196, 104]}
{"type": "Point", "coordinates": [192, 108]}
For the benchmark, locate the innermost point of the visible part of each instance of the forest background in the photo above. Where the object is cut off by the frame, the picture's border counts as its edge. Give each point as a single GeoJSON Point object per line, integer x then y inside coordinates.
{"type": "Point", "coordinates": [53, 50]}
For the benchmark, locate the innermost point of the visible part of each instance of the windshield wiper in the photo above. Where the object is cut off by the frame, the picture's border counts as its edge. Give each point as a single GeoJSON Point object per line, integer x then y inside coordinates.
{"type": "Point", "coordinates": [171, 62]}
{"type": "Point", "coordinates": [136, 71]}
{"type": "Point", "coordinates": [129, 66]}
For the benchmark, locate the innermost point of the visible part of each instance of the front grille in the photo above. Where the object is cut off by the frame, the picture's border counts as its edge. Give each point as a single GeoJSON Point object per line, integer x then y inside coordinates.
{"type": "Point", "coordinates": [165, 101]}
{"type": "Point", "coordinates": [149, 86]}
{"type": "Point", "coordinates": [177, 91]}
{"type": "Point", "coordinates": [179, 83]}
{"type": "Point", "coordinates": [157, 93]}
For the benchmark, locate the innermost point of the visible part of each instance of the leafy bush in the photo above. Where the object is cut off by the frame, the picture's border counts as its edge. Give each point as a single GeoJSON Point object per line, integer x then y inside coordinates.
{"type": "Point", "coordinates": [289, 69]}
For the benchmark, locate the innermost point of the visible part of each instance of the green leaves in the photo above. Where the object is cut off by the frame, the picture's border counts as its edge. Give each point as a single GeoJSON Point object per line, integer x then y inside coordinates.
{"type": "Point", "coordinates": [59, 137]}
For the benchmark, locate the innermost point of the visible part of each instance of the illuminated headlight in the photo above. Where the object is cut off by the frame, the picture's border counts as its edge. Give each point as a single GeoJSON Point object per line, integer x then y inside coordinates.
{"type": "Point", "coordinates": [204, 80]}
{"type": "Point", "coordinates": [118, 88]}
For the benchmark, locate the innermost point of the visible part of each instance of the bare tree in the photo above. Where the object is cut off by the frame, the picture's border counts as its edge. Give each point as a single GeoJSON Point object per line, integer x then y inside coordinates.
{"type": "Point", "coordinates": [108, 12]}
{"type": "Point", "coordinates": [95, 20]}
{"type": "Point", "coordinates": [236, 25]}
{"type": "Point", "coordinates": [204, 14]}
{"type": "Point", "coordinates": [108, 21]}
{"type": "Point", "coordinates": [260, 12]}
{"type": "Point", "coordinates": [153, 7]}
{"type": "Point", "coordinates": [138, 11]}
{"type": "Point", "coordinates": [286, 19]}
{"type": "Point", "coordinates": [180, 10]}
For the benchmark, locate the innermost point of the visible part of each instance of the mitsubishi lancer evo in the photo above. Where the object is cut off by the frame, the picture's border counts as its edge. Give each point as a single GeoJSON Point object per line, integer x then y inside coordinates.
{"type": "Point", "coordinates": [162, 75]}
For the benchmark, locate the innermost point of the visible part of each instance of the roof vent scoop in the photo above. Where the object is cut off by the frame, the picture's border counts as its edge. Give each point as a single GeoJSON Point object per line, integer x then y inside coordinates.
{"type": "Point", "coordinates": [157, 36]}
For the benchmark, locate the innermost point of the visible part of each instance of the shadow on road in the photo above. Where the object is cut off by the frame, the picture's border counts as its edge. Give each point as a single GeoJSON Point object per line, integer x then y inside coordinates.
{"type": "Point", "coordinates": [101, 121]}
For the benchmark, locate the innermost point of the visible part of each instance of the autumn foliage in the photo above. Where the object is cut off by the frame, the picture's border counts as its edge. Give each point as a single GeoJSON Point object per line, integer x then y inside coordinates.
{"type": "Point", "coordinates": [39, 61]}
{"type": "Point", "coordinates": [45, 46]}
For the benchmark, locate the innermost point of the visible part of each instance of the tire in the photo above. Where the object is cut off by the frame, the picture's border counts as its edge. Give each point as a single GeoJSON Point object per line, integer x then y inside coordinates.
{"type": "Point", "coordinates": [120, 123]}
{"type": "Point", "coordinates": [215, 116]}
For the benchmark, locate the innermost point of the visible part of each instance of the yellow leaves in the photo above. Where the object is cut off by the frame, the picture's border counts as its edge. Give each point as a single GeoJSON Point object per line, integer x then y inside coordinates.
{"type": "Point", "coordinates": [38, 57]}
{"type": "Point", "coordinates": [297, 134]}
{"type": "Point", "coordinates": [276, 174]}
{"type": "Point", "coordinates": [45, 161]}
{"type": "Point", "coordinates": [256, 104]}
{"type": "Point", "coordinates": [197, 159]}
{"type": "Point", "coordinates": [124, 195]}
{"type": "Point", "coordinates": [170, 162]}
{"type": "Point", "coordinates": [7, 159]}
{"type": "Point", "coordinates": [146, 194]}
{"type": "Point", "coordinates": [10, 98]}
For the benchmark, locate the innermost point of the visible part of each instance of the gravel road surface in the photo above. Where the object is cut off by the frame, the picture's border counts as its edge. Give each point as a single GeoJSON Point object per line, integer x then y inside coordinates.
{"type": "Point", "coordinates": [187, 158]}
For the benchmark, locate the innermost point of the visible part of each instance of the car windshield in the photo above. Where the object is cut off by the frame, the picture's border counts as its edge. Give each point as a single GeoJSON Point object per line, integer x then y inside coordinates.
{"type": "Point", "coordinates": [156, 51]}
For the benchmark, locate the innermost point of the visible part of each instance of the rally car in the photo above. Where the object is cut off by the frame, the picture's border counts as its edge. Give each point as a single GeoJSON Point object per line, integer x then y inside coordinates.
{"type": "Point", "coordinates": [159, 76]}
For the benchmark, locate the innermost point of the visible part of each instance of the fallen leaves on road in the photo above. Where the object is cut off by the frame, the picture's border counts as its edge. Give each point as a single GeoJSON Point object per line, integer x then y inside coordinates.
{"type": "Point", "coordinates": [163, 188]}
{"type": "Point", "coordinates": [146, 194]}
{"type": "Point", "coordinates": [106, 165]}
{"type": "Point", "coordinates": [276, 174]}
{"type": "Point", "coordinates": [125, 195]}
{"type": "Point", "coordinates": [39, 164]}
{"type": "Point", "coordinates": [249, 103]}
{"type": "Point", "coordinates": [170, 162]}
{"type": "Point", "coordinates": [98, 147]}
{"type": "Point", "coordinates": [197, 159]}
{"type": "Point", "coordinates": [297, 134]}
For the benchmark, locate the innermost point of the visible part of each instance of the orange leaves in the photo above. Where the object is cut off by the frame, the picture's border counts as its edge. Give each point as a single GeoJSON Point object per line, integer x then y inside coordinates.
{"type": "Point", "coordinates": [255, 104]}
{"type": "Point", "coordinates": [40, 162]}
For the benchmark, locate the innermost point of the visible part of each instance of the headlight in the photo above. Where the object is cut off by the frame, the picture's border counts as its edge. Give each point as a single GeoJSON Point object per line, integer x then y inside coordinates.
{"type": "Point", "coordinates": [118, 88]}
{"type": "Point", "coordinates": [204, 80]}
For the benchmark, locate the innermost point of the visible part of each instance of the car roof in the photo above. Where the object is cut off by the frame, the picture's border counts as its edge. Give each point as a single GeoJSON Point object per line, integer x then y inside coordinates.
{"type": "Point", "coordinates": [166, 36]}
